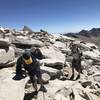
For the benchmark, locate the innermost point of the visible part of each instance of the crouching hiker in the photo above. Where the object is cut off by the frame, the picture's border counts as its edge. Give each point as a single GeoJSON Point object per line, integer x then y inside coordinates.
{"type": "Point", "coordinates": [29, 62]}
{"type": "Point", "coordinates": [76, 61]}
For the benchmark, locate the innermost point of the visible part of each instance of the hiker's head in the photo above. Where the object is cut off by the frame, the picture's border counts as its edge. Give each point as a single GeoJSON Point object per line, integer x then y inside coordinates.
{"type": "Point", "coordinates": [74, 45]}
{"type": "Point", "coordinates": [26, 55]}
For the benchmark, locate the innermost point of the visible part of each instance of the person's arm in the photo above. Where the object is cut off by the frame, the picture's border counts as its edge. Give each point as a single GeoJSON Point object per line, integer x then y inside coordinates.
{"type": "Point", "coordinates": [18, 75]}
{"type": "Point", "coordinates": [19, 67]}
{"type": "Point", "coordinates": [38, 54]}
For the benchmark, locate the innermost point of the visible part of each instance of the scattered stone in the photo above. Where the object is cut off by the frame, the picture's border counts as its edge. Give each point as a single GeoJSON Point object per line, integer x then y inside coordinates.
{"type": "Point", "coordinates": [4, 43]}
{"type": "Point", "coordinates": [25, 42]}
{"type": "Point", "coordinates": [45, 77]}
{"type": "Point", "coordinates": [54, 73]}
{"type": "Point", "coordinates": [85, 84]}
{"type": "Point", "coordinates": [53, 63]}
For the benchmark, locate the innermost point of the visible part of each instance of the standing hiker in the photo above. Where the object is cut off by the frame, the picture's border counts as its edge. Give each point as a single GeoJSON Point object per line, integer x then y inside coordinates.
{"type": "Point", "coordinates": [76, 61]}
{"type": "Point", "coordinates": [28, 60]}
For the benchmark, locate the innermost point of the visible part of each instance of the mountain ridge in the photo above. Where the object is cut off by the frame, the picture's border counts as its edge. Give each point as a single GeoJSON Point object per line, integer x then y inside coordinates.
{"type": "Point", "coordinates": [87, 33]}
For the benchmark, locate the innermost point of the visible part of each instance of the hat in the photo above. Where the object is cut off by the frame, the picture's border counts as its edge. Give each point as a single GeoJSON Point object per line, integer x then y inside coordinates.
{"type": "Point", "coordinates": [26, 55]}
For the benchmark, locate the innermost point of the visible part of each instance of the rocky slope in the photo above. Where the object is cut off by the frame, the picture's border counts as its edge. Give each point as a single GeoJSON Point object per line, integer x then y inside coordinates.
{"type": "Point", "coordinates": [92, 35]}
{"type": "Point", "coordinates": [54, 48]}
{"type": "Point", "coordinates": [88, 33]}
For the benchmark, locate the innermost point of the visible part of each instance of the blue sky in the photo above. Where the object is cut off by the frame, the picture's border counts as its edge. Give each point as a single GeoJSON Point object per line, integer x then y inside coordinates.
{"type": "Point", "coordinates": [51, 15]}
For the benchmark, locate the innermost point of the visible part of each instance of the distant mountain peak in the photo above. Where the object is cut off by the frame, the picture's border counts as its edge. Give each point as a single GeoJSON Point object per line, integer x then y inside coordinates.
{"type": "Point", "coordinates": [93, 32]}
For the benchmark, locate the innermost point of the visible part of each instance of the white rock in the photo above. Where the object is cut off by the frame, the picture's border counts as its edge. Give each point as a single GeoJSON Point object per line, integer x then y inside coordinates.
{"type": "Point", "coordinates": [22, 37]}
{"type": "Point", "coordinates": [57, 36]}
{"type": "Point", "coordinates": [31, 42]}
{"type": "Point", "coordinates": [53, 63]}
{"type": "Point", "coordinates": [97, 77]}
{"type": "Point", "coordinates": [56, 85]}
{"type": "Point", "coordinates": [59, 44]}
{"type": "Point", "coordinates": [92, 54]}
{"type": "Point", "coordinates": [91, 45]}
{"type": "Point", "coordinates": [9, 88]}
{"type": "Point", "coordinates": [86, 63]}
{"type": "Point", "coordinates": [4, 42]}
{"type": "Point", "coordinates": [51, 71]}
{"type": "Point", "coordinates": [53, 53]}
{"type": "Point", "coordinates": [7, 56]}
{"type": "Point", "coordinates": [60, 97]}
{"type": "Point", "coordinates": [46, 77]}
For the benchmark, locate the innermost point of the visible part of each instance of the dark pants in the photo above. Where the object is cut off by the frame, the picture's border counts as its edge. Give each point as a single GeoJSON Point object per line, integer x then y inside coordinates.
{"type": "Point", "coordinates": [36, 76]}
{"type": "Point", "coordinates": [76, 64]}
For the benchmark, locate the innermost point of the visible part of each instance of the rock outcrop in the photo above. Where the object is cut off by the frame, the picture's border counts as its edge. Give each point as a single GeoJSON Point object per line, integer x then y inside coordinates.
{"type": "Point", "coordinates": [9, 88]}
{"type": "Point", "coordinates": [7, 53]}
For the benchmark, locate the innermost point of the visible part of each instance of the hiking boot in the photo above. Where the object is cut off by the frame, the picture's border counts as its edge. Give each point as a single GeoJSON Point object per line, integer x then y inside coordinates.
{"type": "Point", "coordinates": [78, 77]}
{"type": "Point", "coordinates": [43, 89]}
{"type": "Point", "coordinates": [35, 94]}
{"type": "Point", "coordinates": [72, 77]}
{"type": "Point", "coordinates": [17, 77]}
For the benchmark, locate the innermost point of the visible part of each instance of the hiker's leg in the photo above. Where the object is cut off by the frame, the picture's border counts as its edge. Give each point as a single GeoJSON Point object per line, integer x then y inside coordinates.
{"type": "Point", "coordinates": [72, 77]}
{"type": "Point", "coordinates": [79, 70]}
{"type": "Point", "coordinates": [73, 64]}
{"type": "Point", "coordinates": [34, 82]}
{"type": "Point", "coordinates": [78, 76]}
{"type": "Point", "coordinates": [42, 88]}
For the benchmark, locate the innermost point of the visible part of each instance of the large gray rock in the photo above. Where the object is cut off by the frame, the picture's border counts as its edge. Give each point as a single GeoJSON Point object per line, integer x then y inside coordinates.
{"type": "Point", "coordinates": [97, 77]}
{"type": "Point", "coordinates": [63, 38]}
{"type": "Point", "coordinates": [59, 44]}
{"type": "Point", "coordinates": [55, 85]}
{"type": "Point", "coordinates": [4, 43]}
{"type": "Point", "coordinates": [53, 53]}
{"type": "Point", "coordinates": [45, 77]}
{"type": "Point", "coordinates": [54, 73]}
{"type": "Point", "coordinates": [27, 42]}
{"type": "Point", "coordinates": [55, 63]}
{"type": "Point", "coordinates": [6, 56]}
{"type": "Point", "coordinates": [9, 88]}
{"type": "Point", "coordinates": [64, 92]}
{"type": "Point", "coordinates": [92, 54]}
{"type": "Point", "coordinates": [18, 51]}
{"type": "Point", "coordinates": [86, 64]}
{"type": "Point", "coordinates": [86, 83]}
{"type": "Point", "coordinates": [86, 46]}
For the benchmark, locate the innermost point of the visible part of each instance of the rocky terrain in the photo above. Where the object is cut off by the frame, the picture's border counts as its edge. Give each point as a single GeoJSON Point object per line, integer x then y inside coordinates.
{"type": "Point", "coordinates": [54, 48]}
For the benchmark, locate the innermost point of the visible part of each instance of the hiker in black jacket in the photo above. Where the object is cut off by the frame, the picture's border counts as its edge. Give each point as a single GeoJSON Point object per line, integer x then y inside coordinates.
{"type": "Point", "coordinates": [76, 61]}
{"type": "Point", "coordinates": [29, 62]}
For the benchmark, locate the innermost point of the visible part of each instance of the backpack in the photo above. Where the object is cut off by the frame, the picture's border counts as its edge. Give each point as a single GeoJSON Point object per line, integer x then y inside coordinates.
{"type": "Point", "coordinates": [36, 52]}
{"type": "Point", "coordinates": [76, 53]}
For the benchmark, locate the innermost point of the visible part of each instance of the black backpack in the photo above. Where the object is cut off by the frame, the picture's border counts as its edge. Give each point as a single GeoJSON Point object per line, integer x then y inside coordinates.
{"type": "Point", "coordinates": [36, 52]}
